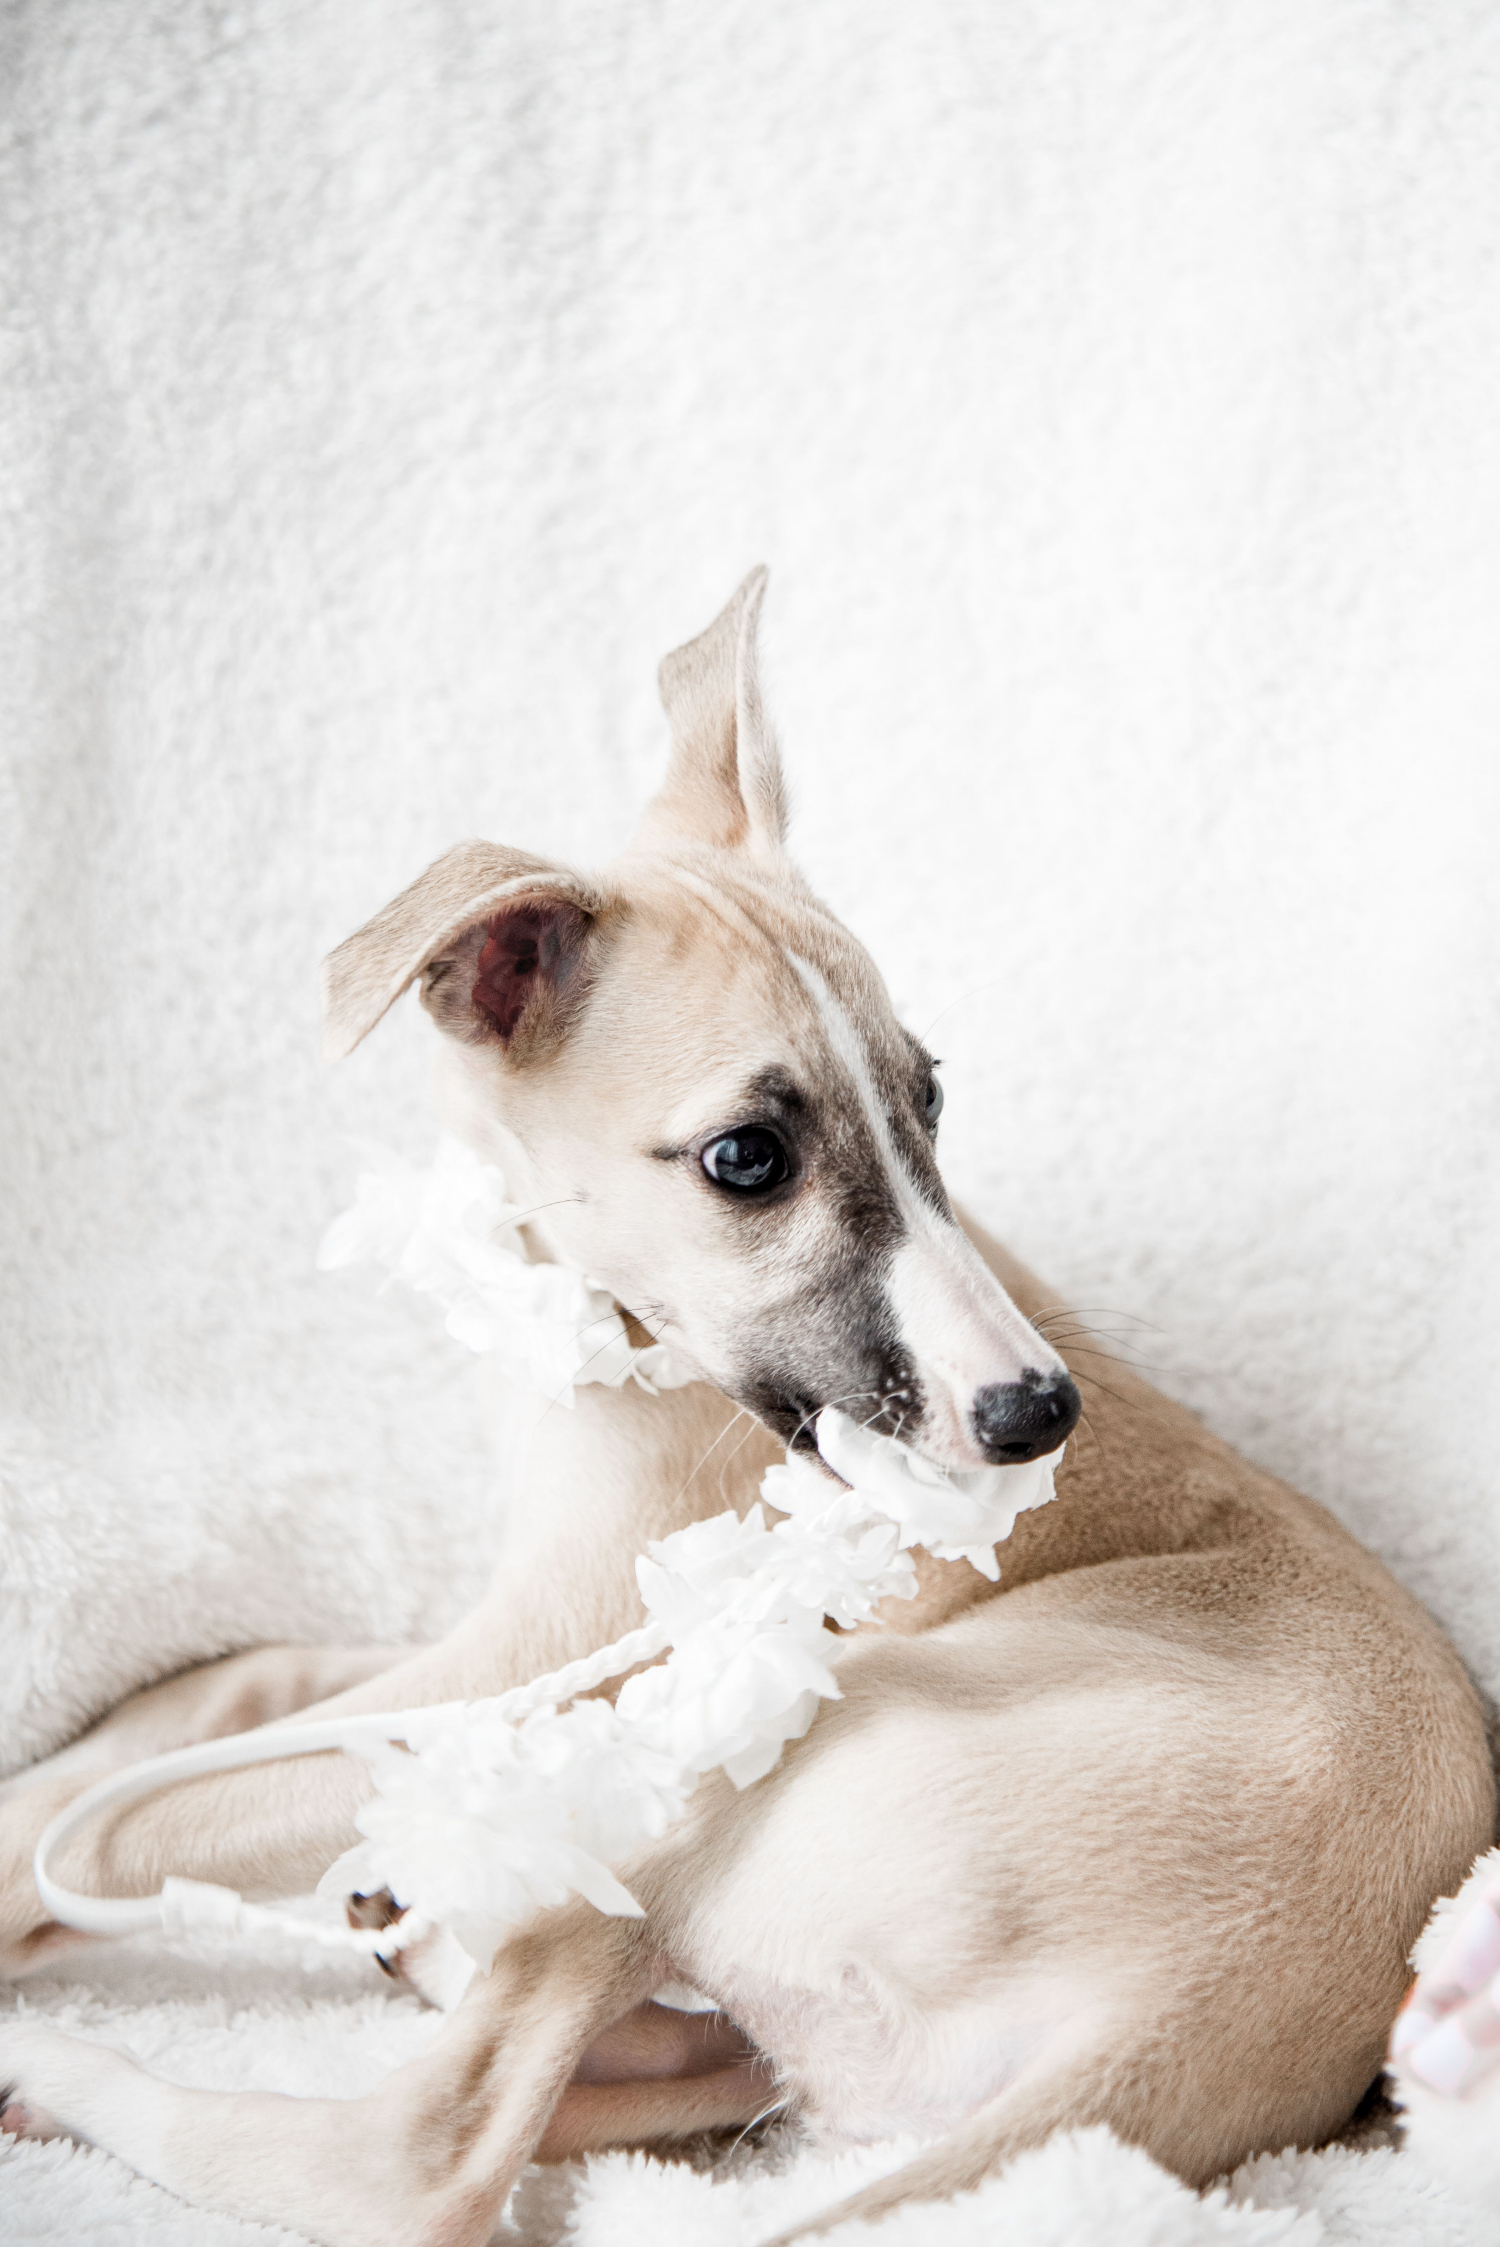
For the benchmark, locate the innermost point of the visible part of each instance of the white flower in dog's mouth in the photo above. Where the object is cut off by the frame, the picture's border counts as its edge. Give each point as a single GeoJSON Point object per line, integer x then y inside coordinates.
{"type": "Point", "coordinates": [956, 1513]}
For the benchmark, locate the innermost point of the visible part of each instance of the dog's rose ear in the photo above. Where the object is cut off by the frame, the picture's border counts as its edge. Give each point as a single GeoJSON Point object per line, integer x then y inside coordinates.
{"type": "Point", "coordinates": [501, 942]}
{"type": "Point", "coordinates": [724, 785]}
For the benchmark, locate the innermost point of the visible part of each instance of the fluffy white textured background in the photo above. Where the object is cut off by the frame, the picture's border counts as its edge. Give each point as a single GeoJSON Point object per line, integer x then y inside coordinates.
{"type": "Point", "coordinates": [1112, 390]}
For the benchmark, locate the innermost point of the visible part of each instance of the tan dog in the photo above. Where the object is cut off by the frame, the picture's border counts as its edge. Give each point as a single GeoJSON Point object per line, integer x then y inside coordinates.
{"type": "Point", "coordinates": [1143, 1840]}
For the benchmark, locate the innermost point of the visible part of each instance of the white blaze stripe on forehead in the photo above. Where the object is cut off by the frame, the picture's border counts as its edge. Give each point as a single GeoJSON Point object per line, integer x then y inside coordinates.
{"type": "Point", "coordinates": [959, 1324]}
{"type": "Point", "coordinates": [844, 1039]}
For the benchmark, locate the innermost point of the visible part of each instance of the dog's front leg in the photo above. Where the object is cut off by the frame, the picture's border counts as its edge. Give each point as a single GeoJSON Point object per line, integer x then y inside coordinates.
{"type": "Point", "coordinates": [424, 2161]}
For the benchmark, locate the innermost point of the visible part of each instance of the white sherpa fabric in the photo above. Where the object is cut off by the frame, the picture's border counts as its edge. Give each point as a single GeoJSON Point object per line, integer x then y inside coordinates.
{"type": "Point", "coordinates": [388, 383]}
{"type": "Point", "coordinates": [269, 2017]}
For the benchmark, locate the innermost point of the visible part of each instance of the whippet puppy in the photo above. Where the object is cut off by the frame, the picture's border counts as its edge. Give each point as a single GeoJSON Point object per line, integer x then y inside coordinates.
{"type": "Point", "coordinates": [1140, 1836]}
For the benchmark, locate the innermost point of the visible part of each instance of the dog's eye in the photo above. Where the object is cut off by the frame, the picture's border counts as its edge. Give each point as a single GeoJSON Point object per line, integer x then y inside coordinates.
{"type": "Point", "coordinates": [748, 1162]}
{"type": "Point", "coordinates": [934, 1102]}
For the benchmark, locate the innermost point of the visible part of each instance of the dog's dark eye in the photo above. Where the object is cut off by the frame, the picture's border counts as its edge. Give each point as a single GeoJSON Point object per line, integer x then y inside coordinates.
{"type": "Point", "coordinates": [748, 1162]}
{"type": "Point", "coordinates": [934, 1102]}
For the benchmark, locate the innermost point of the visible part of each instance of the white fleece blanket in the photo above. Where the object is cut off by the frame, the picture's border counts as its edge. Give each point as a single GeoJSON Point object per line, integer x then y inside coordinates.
{"type": "Point", "coordinates": [387, 384]}
{"type": "Point", "coordinates": [227, 2017]}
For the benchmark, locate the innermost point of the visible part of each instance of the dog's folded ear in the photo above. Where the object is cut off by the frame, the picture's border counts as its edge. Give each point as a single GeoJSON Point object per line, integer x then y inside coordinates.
{"type": "Point", "coordinates": [724, 785]}
{"type": "Point", "coordinates": [501, 942]}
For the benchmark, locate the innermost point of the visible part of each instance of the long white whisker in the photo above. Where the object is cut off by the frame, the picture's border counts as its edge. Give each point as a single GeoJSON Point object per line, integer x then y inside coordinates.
{"type": "Point", "coordinates": [832, 1404]}
{"type": "Point", "coordinates": [776, 2106]}
{"type": "Point", "coordinates": [742, 1414]}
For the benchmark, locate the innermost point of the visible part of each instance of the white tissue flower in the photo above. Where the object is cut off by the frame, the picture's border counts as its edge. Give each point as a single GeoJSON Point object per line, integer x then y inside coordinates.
{"type": "Point", "coordinates": [733, 1692]}
{"type": "Point", "coordinates": [426, 1227]}
{"type": "Point", "coordinates": [835, 1549]}
{"type": "Point", "coordinates": [442, 1232]}
{"type": "Point", "coordinates": [845, 1566]}
{"type": "Point", "coordinates": [957, 1514]}
{"type": "Point", "coordinates": [699, 1571]}
{"type": "Point", "coordinates": [490, 1821]}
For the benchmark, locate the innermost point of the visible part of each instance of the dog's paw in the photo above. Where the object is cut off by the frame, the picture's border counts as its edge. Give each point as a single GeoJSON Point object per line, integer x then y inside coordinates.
{"type": "Point", "coordinates": [30, 2052]}
{"type": "Point", "coordinates": [437, 1966]}
{"type": "Point", "coordinates": [21, 2117]}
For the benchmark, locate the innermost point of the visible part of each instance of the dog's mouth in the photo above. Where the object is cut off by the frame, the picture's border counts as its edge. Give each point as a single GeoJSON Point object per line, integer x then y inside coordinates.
{"type": "Point", "coordinates": [895, 1422]}
{"type": "Point", "coordinates": [792, 1414]}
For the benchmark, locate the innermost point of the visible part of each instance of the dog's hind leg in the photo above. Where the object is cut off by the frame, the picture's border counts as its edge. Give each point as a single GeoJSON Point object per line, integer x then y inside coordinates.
{"type": "Point", "coordinates": [426, 2160]}
{"type": "Point", "coordinates": [1057, 2092]}
{"type": "Point", "coordinates": [210, 1701]}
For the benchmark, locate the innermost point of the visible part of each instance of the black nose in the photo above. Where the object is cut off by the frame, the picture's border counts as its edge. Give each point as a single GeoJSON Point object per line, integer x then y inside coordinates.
{"type": "Point", "coordinates": [1025, 1419]}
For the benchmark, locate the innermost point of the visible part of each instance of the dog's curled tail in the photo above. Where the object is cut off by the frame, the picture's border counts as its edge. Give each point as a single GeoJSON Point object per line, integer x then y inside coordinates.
{"type": "Point", "coordinates": [1051, 2095]}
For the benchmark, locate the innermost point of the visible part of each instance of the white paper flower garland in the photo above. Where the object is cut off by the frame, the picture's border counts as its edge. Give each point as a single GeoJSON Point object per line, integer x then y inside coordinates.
{"type": "Point", "coordinates": [486, 1812]}
{"type": "Point", "coordinates": [450, 1232]}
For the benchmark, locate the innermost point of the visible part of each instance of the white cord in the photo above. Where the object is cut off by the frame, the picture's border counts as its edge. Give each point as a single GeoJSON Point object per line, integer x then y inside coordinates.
{"type": "Point", "coordinates": [185, 1904]}
{"type": "Point", "coordinates": [583, 1675]}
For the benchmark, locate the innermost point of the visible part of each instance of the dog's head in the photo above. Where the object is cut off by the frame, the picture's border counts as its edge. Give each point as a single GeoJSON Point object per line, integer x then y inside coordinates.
{"type": "Point", "coordinates": [693, 1072]}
